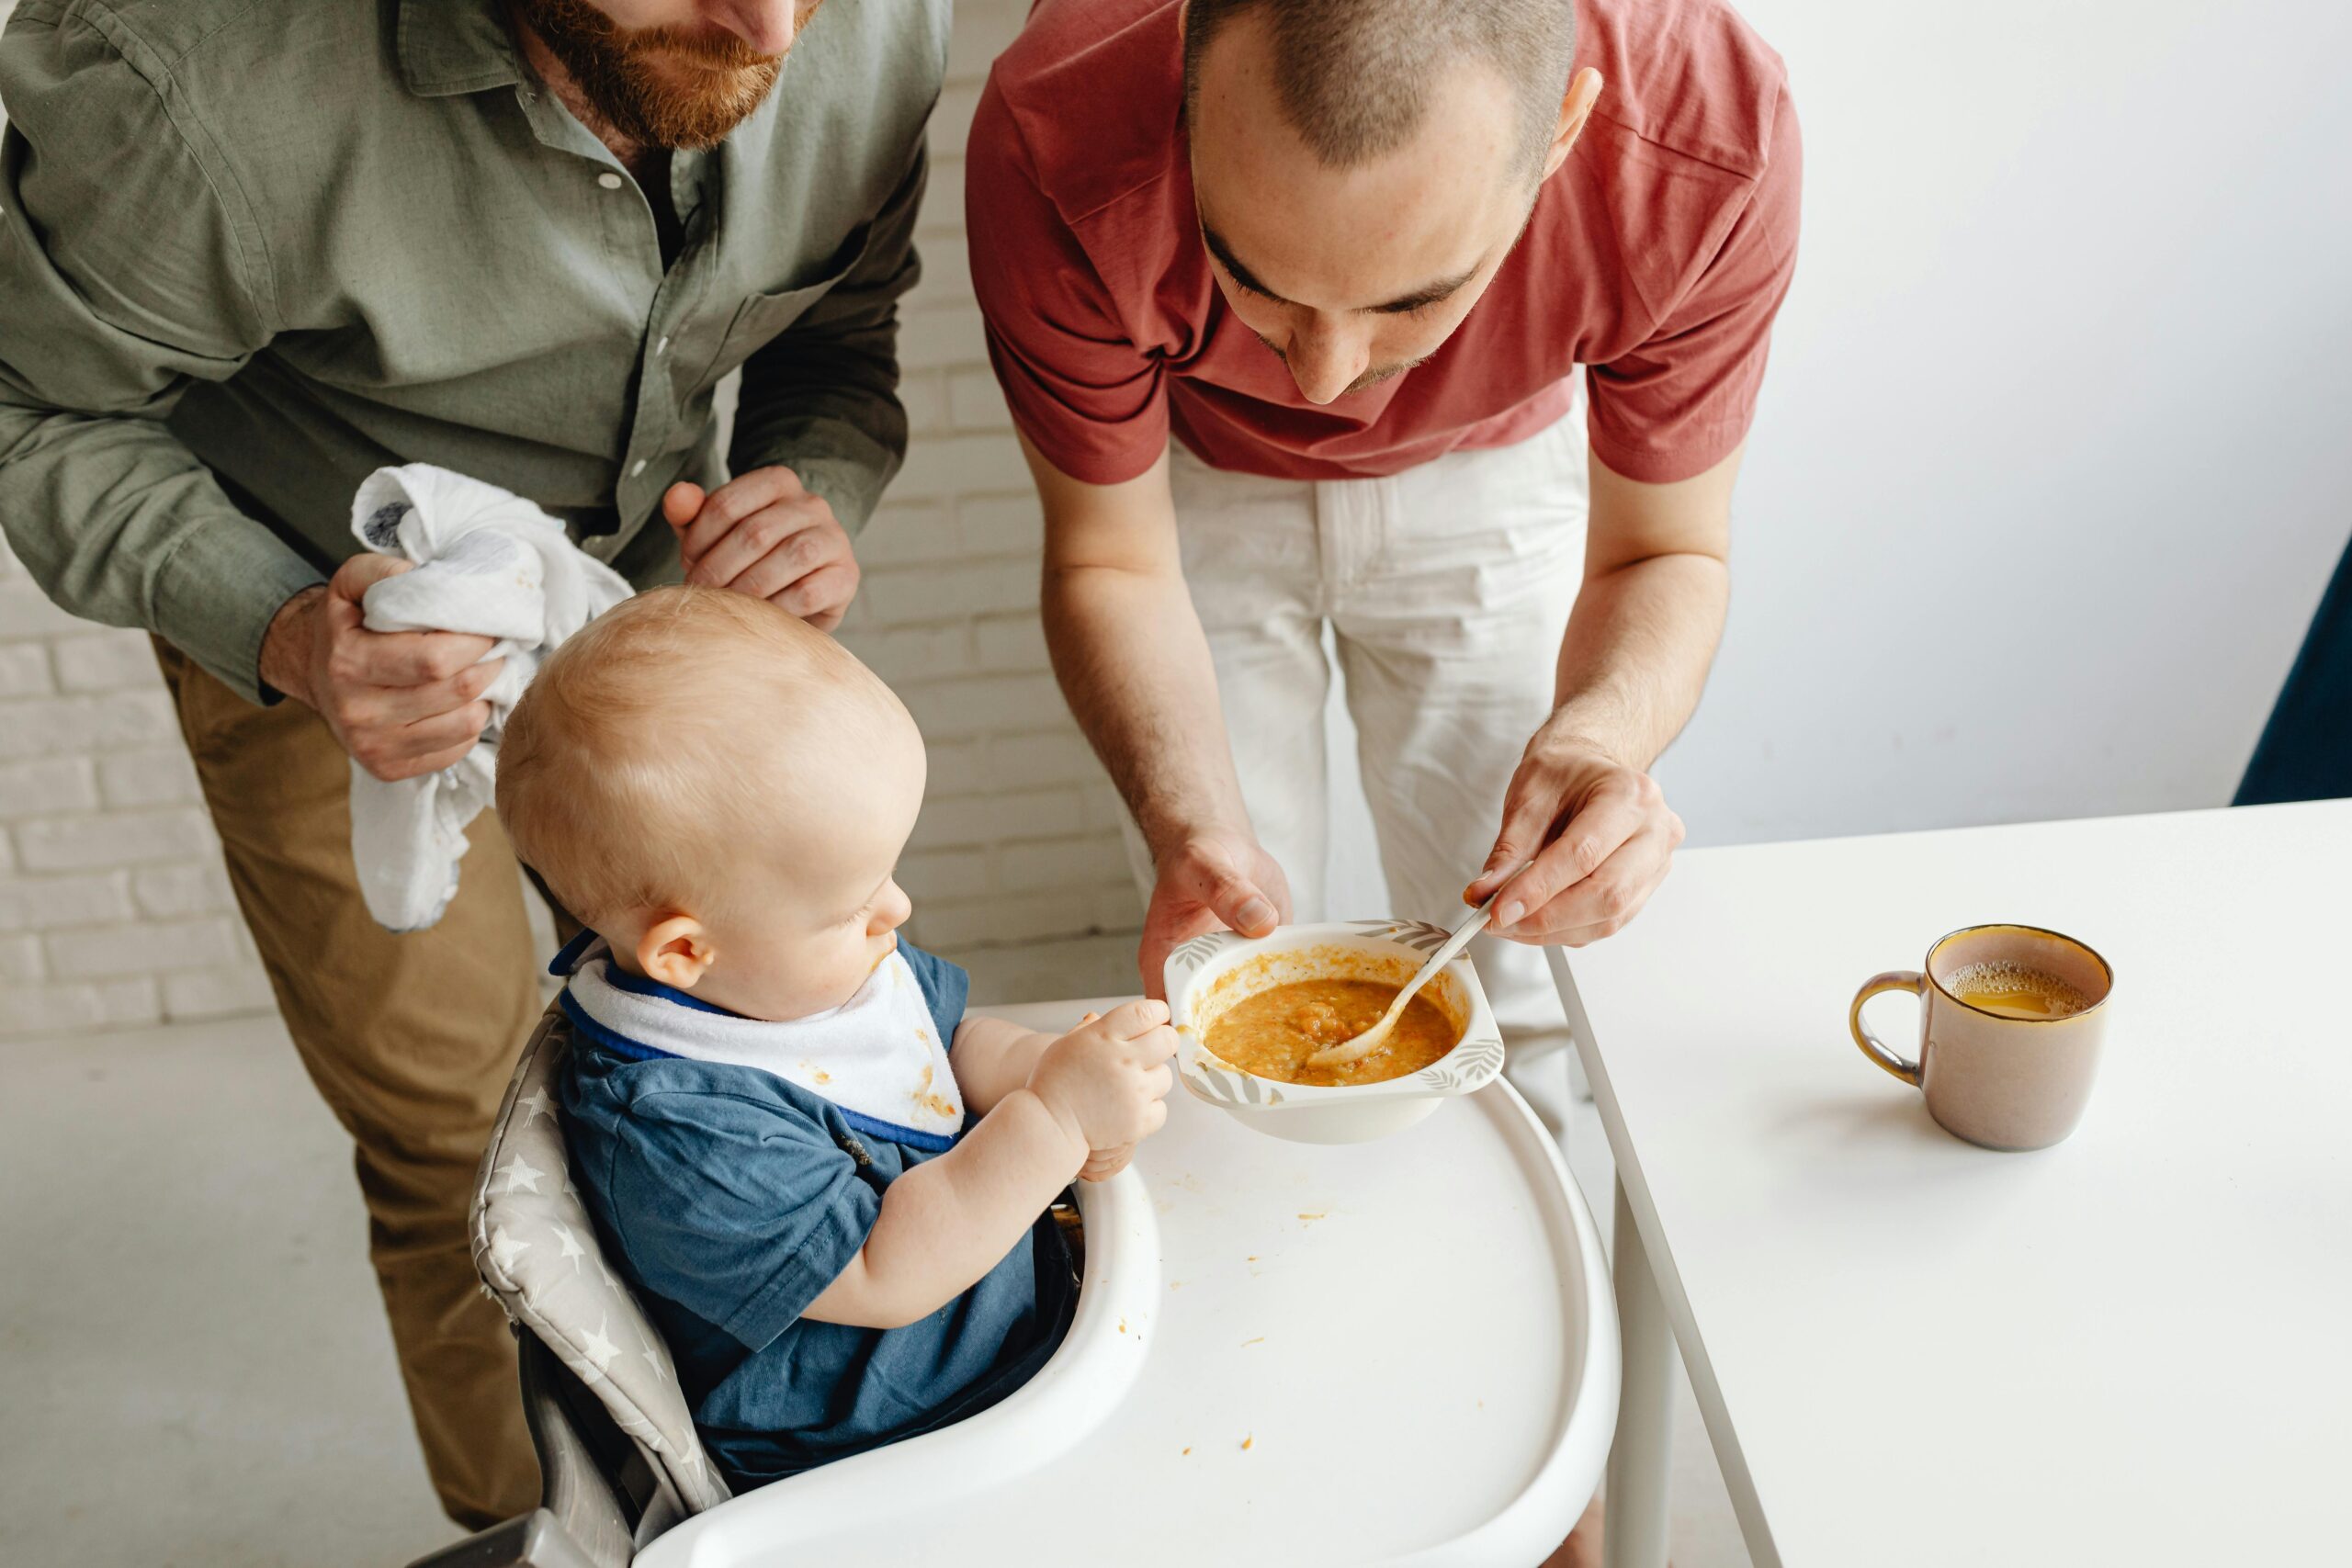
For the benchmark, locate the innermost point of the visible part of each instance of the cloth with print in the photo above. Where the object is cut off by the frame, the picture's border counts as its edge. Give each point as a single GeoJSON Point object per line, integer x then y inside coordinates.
{"type": "Point", "coordinates": [488, 563]}
{"type": "Point", "coordinates": [730, 1195]}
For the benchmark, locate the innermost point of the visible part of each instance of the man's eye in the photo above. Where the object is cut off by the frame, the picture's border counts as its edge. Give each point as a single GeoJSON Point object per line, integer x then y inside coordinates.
{"type": "Point", "coordinates": [1242, 282]}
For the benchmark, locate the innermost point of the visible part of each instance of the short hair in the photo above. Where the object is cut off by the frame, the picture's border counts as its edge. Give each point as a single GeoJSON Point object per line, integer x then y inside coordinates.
{"type": "Point", "coordinates": [1354, 76]}
{"type": "Point", "coordinates": [650, 745]}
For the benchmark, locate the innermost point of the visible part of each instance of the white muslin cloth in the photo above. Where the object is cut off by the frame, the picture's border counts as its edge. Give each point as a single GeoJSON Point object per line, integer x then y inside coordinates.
{"type": "Point", "coordinates": [489, 563]}
{"type": "Point", "coordinates": [878, 1055]}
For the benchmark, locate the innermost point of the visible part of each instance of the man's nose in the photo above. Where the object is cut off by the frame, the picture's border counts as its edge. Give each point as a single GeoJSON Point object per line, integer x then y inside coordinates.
{"type": "Point", "coordinates": [765, 24]}
{"type": "Point", "coordinates": [1324, 362]}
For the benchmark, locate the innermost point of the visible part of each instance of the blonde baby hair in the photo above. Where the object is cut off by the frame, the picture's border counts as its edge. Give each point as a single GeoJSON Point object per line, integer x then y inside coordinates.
{"type": "Point", "coordinates": [674, 738]}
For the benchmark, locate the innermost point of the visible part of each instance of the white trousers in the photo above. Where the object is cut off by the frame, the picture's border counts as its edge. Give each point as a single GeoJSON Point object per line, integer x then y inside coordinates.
{"type": "Point", "coordinates": [1446, 589]}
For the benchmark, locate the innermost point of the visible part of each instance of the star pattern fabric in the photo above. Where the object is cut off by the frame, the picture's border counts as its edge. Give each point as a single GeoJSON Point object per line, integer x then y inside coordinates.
{"type": "Point", "coordinates": [521, 1175]}
{"type": "Point", "coordinates": [536, 1250]}
{"type": "Point", "coordinates": [570, 1244]}
{"type": "Point", "coordinates": [599, 1351]}
{"type": "Point", "coordinates": [504, 1249]}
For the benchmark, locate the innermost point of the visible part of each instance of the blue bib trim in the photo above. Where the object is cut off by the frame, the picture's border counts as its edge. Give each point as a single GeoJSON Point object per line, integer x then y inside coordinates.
{"type": "Point", "coordinates": [567, 957]}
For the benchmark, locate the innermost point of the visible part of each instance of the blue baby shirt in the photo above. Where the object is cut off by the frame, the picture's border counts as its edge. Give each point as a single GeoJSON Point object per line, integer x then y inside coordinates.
{"type": "Point", "coordinates": [730, 1198]}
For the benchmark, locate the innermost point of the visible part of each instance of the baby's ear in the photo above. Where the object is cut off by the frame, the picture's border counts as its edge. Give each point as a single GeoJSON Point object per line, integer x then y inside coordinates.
{"type": "Point", "coordinates": [675, 951]}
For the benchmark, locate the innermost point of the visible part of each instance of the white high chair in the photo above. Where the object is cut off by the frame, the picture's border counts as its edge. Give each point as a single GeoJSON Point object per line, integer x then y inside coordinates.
{"type": "Point", "coordinates": [1394, 1352]}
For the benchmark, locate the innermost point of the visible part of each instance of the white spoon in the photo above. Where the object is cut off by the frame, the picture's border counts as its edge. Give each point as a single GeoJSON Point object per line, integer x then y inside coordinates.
{"type": "Point", "coordinates": [1372, 1039]}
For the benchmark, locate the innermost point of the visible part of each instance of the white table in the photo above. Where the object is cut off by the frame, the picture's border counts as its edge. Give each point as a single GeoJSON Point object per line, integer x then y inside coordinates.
{"type": "Point", "coordinates": [2133, 1347]}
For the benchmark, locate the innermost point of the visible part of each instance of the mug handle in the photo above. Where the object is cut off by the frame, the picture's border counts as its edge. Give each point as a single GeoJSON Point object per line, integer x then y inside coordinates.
{"type": "Point", "coordinates": [1875, 1049]}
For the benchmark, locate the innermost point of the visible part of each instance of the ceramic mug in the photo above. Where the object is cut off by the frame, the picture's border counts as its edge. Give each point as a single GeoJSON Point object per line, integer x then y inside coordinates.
{"type": "Point", "coordinates": [2002, 1081]}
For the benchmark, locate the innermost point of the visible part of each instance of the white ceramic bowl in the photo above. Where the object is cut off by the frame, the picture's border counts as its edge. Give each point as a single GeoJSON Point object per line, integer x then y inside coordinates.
{"type": "Point", "coordinates": [1209, 974]}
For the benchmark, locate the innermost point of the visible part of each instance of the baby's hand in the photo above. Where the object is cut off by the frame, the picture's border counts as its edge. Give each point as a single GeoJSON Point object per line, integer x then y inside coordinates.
{"type": "Point", "coordinates": [1103, 1164]}
{"type": "Point", "coordinates": [1105, 1081]}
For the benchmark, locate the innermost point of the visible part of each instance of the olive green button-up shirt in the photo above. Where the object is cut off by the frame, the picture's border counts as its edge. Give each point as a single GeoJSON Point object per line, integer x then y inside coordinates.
{"type": "Point", "coordinates": [251, 250]}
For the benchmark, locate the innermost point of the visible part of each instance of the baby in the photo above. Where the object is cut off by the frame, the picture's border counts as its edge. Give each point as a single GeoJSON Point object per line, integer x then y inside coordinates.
{"type": "Point", "coordinates": [829, 1186]}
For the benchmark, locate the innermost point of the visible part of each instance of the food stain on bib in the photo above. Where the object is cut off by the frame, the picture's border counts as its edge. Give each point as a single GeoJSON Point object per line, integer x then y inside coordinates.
{"type": "Point", "coordinates": [937, 1104]}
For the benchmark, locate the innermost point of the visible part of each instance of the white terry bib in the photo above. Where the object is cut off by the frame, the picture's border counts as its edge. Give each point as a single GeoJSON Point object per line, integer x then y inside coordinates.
{"type": "Point", "coordinates": [878, 1055]}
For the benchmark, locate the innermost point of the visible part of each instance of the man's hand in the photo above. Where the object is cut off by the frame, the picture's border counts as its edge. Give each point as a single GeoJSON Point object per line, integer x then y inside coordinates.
{"type": "Point", "coordinates": [1106, 1081]}
{"type": "Point", "coordinates": [1217, 881]}
{"type": "Point", "coordinates": [1616, 840]}
{"type": "Point", "coordinates": [403, 704]}
{"type": "Point", "coordinates": [764, 535]}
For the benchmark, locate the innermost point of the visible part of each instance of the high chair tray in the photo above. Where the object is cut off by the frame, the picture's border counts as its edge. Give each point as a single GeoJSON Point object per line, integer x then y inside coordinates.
{"type": "Point", "coordinates": [1401, 1351]}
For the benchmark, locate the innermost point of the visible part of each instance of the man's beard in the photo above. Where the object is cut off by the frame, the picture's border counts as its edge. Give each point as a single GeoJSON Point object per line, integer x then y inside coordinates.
{"type": "Point", "coordinates": [658, 87]}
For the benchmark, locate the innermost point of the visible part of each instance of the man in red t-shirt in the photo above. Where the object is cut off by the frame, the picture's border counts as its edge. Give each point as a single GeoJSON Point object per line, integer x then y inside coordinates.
{"type": "Point", "coordinates": [1352, 254]}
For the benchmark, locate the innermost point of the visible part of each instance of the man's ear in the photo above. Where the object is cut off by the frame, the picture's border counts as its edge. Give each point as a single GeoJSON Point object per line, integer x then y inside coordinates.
{"type": "Point", "coordinates": [676, 951]}
{"type": "Point", "coordinates": [1576, 107]}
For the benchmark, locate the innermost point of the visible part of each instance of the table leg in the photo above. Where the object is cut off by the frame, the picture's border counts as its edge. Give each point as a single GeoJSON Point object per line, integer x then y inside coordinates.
{"type": "Point", "coordinates": [1641, 1460]}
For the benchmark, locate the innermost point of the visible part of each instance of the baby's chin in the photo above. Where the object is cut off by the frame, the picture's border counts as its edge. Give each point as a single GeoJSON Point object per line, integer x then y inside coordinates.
{"type": "Point", "coordinates": [850, 986]}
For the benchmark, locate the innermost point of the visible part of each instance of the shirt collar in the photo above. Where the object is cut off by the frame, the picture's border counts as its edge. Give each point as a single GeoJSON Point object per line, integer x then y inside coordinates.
{"type": "Point", "coordinates": [448, 47]}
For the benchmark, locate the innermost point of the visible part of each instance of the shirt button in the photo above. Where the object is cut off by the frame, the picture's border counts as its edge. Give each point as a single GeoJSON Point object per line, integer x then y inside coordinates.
{"type": "Point", "coordinates": [661, 347]}
{"type": "Point", "coordinates": [637, 467]}
{"type": "Point", "coordinates": [609, 180]}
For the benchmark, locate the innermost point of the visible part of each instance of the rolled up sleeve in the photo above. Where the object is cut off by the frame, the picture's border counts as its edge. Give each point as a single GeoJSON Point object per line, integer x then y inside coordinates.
{"type": "Point", "coordinates": [130, 267]}
{"type": "Point", "coordinates": [822, 399]}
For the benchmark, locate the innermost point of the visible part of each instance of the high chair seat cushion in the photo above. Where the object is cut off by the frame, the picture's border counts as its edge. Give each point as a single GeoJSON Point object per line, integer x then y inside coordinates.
{"type": "Point", "coordinates": [536, 1249]}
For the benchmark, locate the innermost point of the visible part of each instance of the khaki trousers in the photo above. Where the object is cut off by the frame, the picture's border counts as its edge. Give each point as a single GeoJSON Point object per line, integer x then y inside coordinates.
{"type": "Point", "coordinates": [409, 1040]}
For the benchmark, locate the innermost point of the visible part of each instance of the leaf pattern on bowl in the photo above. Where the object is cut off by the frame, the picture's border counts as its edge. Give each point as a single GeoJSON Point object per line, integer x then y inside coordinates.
{"type": "Point", "coordinates": [1224, 1086]}
{"type": "Point", "coordinates": [1418, 935]}
{"type": "Point", "coordinates": [1191, 955]}
{"type": "Point", "coordinates": [1472, 1062]}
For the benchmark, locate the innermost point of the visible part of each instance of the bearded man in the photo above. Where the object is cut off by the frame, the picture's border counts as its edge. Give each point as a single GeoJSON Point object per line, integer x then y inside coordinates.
{"type": "Point", "coordinates": [250, 251]}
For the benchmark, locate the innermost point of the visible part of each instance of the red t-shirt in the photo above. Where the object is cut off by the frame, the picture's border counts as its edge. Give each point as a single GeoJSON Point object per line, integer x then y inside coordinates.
{"type": "Point", "coordinates": [1657, 255]}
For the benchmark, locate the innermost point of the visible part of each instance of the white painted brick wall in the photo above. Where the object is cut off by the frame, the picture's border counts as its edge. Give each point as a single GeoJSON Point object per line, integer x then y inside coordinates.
{"type": "Point", "coordinates": [1016, 868]}
{"type": "Point", "coordinates": [113, 906]}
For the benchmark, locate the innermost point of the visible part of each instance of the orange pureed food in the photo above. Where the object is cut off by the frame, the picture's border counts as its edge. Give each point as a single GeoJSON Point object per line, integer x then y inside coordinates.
{"type": "Point", "coordinates": [1273, 1032]}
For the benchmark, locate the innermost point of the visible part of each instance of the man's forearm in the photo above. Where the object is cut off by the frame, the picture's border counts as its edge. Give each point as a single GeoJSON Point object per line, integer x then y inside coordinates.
{"type": "Point", "coordinates": [1635, 657]}
{"type": "Point", "coordinates": [287, 647]}
{"type": "Point", "coordinates": [1134, 665]}
{"type": "Point", "coordinates": [1650, 614]}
